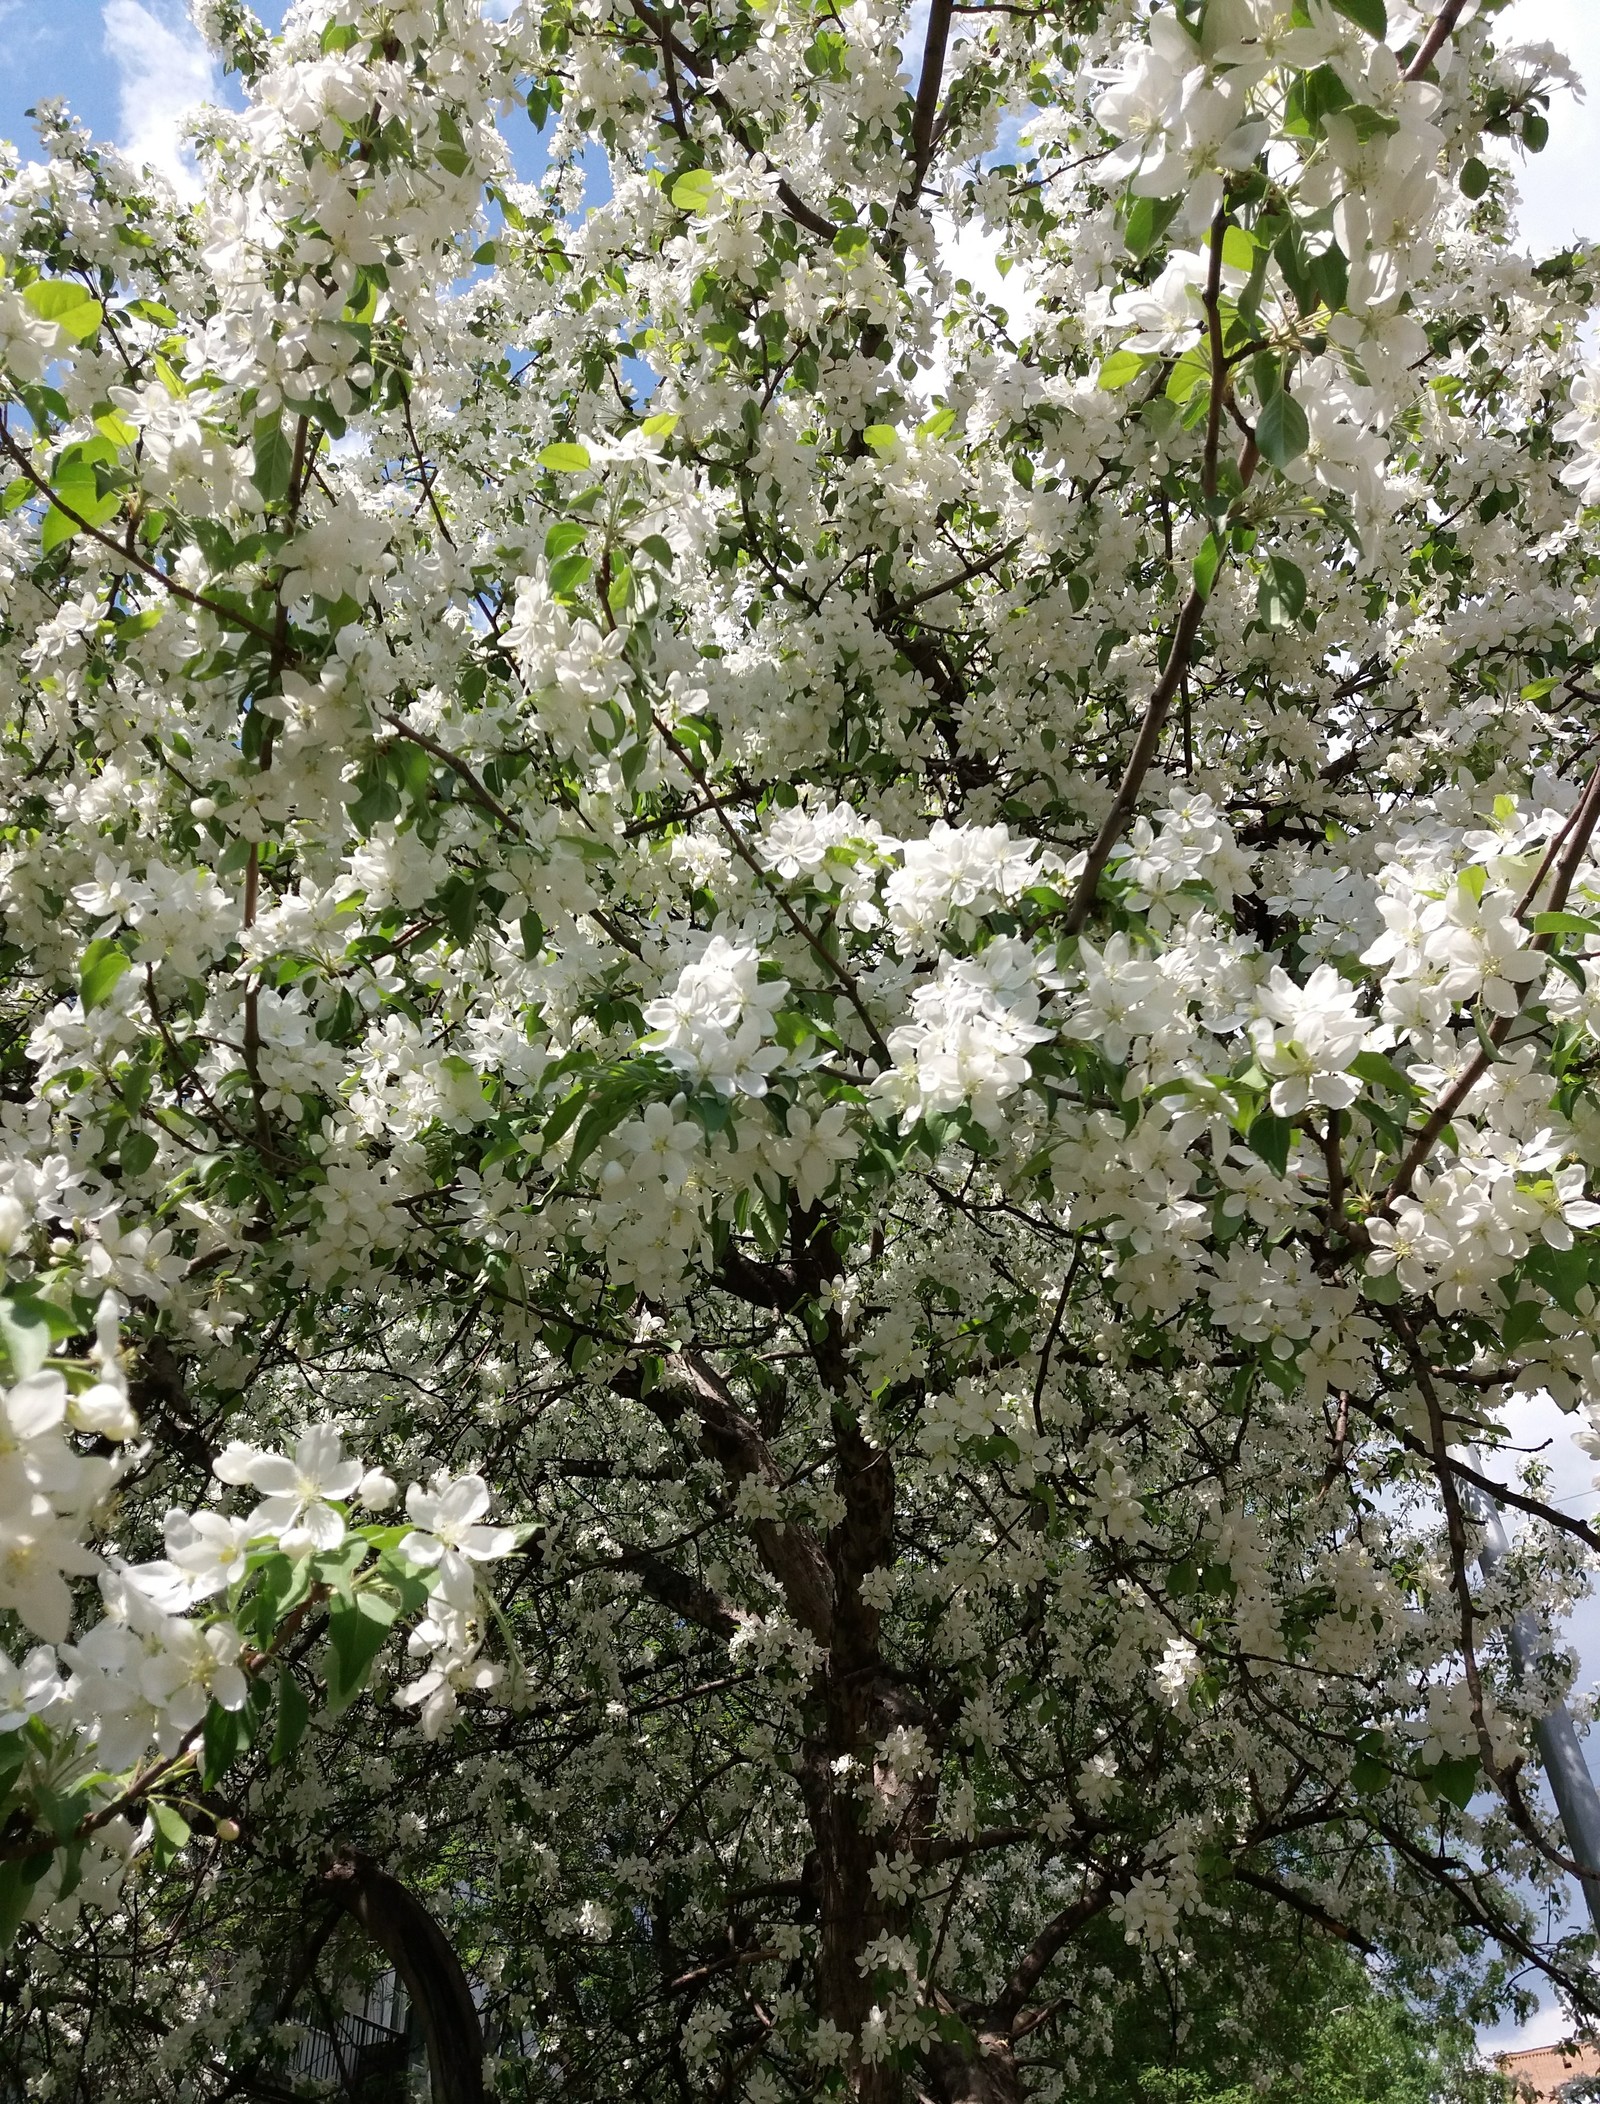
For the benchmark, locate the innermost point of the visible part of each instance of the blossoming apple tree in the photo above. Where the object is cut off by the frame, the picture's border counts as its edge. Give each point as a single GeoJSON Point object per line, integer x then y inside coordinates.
{"type": "Point", "coordinates": [891, 967]}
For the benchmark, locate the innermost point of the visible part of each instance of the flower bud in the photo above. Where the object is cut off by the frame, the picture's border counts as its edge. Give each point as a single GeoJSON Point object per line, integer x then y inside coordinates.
{"type": "Point", "coordinates": [376, 1490]}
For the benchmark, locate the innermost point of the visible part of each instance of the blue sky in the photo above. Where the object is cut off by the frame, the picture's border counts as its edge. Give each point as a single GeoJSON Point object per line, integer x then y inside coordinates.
{"type": "Point", "coordinates": [129, 68]}
{"type": "Point", "coordinates": [126, 66]}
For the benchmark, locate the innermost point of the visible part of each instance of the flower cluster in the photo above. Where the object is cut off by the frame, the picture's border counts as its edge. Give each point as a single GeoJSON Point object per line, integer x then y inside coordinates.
{"type": "Point", "coordinates": [171, 1648]}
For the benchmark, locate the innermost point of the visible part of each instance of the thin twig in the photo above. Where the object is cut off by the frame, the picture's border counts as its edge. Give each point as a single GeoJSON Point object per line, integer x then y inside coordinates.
{"type": "Point", "coordinates": [1582, 826]}
{"type": "Point", "coordinates": [1141, 759]}
{"type": "Point", "coordinates": [840, 971]}
{"type": "Point", "coordinates": [1444, 22]}
{"type": "Point", "coordinates": [127, 555]}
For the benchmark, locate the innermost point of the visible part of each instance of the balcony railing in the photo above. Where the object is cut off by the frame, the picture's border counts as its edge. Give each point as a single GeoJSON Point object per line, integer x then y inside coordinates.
{"type": "Point", "coordinates": [358, 2060]}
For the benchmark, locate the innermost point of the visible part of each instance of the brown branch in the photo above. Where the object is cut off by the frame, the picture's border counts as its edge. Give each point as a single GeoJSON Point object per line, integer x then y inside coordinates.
{"type": "Point", "coordinates": [1302, 1903]}
{"type": "Point", "coordinates": [1050, 1340]}
{"type": "Point", "coordinates": [479, 794]}
{"type": "Point", "coordinates": [790, 1553]}
{"type": "Point", "coordinates": [1504, 1779]}
{"type": "Point", "coordinates": [1212, 301]}
{"type": "Point", "coordinates": [1444, 22]}
{"type": "Point", "coordinates": [1039, 1955]}
{"type": "Point", "coordinates": [1141, 759]}
{"type": "Point", "coordinates": [1139, 762]}
{"type": "Point", "coordinates": [674, 49]}
{"type": "Point", "coordinates": [978, 567]}
{"type": "Point", "coordinates": [126, 555]}
{"type": "Point", "coordinates": [839, 970]}
{"type": "Point", "coordinates": [142, 1786]}
{"type": "Point", "coordinates": [687, 1982]}
{"type": "Point", "coordinates": [1582, 826]}
{"type": "Point", "coordinates": [1490, 1486]}
{"type": "Point", "coordinates": [925, 114]}
{"type": "Point", "coordinates": [684, 1596]}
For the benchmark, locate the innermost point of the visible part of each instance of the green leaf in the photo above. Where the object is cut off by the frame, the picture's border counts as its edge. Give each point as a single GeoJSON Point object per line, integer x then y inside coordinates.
{"type": "Point", "coordinates": [451, 155]}
{"type": "Point", "coordinates": [693, 189]}
{"type": "Point", "coordinates": [1474, 178]}
{"type": "Point", "coordinates": [294, 1714]}
{"type": "Point", "coordinates": [172, 1833]}
{"type": "Point", "coordinates": [1282, 432]}
{"type": "Point", "coordinates": [104, 963]}
{"type": "Point", "coordinates": [1148, 219]}
{"type": "Point", "coordinates": [1381, 1072]}
{"type": "Point", "coordinates": [356, 1632]}
{"type": "Point", "coordinates": [1239, 249]}
{"type": "Point", "coordinates": [411, 1591]}
{"type": "Point", "coordinates": [1524, 1319]}
{"type": "Point", "coordinates": [563, 459]}
{"type": "Point", "coordinates": [1564, 924]}
{"type": "Point", "coordinates": [1281, 594]}
{"type": "Point", "coordinates": [1270, 1137]}
{"type": "Point", "coordinates": [1565, 1274]}
{"type": "Point", "coordinates": [883, 438]}
{"type": "Point", "coordinates": [27, 1333]}
{"type": "Point", "coordinates": [458, 902]}
{"type": "Point", "coordinates": [661, 425]}
{"type": "Point", "coordinates": [17, 1881]}
{"type": "Point", "coordinates": [563, 537]}
{"type": "Point", "coordinates": [71, 307]}
{"type": "Point", "coordinates": [1206, 563]}
{"type": "Point", "coordinates": [138, 1152]}
{"type": "Point", "coordinates": [228, 1734]}
{"type": "Point", "coordinates": [1121, 368]}
{"type": "Point", "coordinates": [1453, 1781]}
{"type": "Point", "coordinates": [568, 574]}
{"type": "Point", "coordinates": [57, 527]}
{"type": "Point", "coordinates": [1192, 370]}
{"type": "Point", "coordinates": [1370, 15]}
{"type": "Point", "coordinates": [74, 485]}
{"type": "Point", "coordinates": [339, 36]}
{"type": "Point", "coordinates": [274, 460]}
{"type": "Point", "coordinates": [1535, 131]}
{"type": "Point", "coordinates": [956, 2033]}
{"type": "Point", "coordinates": [285, 1581]}
{"type": "Point", "coordinates": [338, 1568]}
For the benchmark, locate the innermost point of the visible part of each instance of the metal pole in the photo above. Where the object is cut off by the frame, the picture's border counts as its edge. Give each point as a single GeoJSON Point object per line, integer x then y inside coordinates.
{"type": "Point", "coordinates": [1571, 1784]}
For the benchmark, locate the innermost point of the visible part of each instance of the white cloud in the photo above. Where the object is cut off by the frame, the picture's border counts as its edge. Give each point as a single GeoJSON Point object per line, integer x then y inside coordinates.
{"type": "Point", "coordinates": [164, 70]}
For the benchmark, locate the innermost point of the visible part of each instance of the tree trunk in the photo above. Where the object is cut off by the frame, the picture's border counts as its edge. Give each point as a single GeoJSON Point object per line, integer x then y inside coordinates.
{"type": "Point", "coordinates": [992, 2079]}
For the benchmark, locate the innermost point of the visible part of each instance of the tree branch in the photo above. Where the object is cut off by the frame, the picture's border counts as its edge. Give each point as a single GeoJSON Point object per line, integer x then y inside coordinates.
{"type": "Point", "coordinates": [125, 554]}
{"type": "Point", "coordinates": [1433, 42]}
